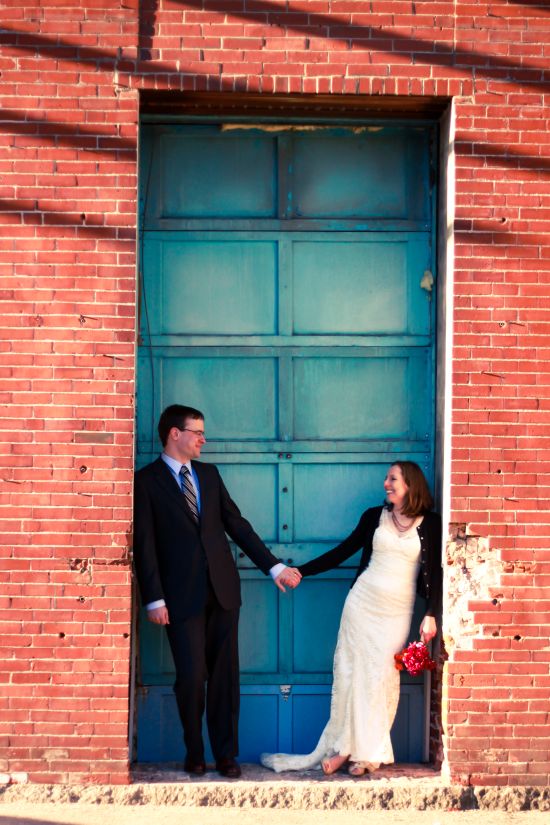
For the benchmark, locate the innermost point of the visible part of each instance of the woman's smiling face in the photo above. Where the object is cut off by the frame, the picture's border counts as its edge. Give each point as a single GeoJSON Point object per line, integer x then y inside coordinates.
{"type": "Point", "coordinates": [395, 487]}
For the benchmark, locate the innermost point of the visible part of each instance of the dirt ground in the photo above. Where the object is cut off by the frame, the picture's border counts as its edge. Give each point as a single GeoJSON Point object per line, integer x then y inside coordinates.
{"type": "Point", "coordinates": [25, 813]}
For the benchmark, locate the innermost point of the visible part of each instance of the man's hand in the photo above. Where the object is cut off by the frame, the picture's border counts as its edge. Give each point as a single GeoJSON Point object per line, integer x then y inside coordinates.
{"type": "Point", "coordinates": [428, 629]}
{"type": "Point", "coordinates": [289, 576]}
{"type": "Point", "coordinates": [158, 615]}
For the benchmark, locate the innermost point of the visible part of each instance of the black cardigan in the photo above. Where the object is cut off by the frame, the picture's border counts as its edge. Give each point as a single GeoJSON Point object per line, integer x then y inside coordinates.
{"type": "Point", "coordinates": [430, 574]}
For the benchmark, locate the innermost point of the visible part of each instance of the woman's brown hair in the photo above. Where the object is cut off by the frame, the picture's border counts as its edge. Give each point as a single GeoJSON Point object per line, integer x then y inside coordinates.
{"type": "Point", "coordinates": [418, 499]}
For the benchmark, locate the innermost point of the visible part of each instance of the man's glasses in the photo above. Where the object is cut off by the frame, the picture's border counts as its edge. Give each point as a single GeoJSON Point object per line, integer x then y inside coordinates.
{"type": "Point", "coordinates": [199, 433]}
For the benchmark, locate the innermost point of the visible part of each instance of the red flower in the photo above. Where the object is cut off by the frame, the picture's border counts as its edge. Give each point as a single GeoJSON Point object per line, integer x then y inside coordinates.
{"type": "Point", "coordinates": [414, 659]}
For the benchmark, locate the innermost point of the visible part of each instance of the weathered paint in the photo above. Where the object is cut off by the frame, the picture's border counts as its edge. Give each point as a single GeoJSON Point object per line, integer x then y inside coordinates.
{"type": "Point", "coordinates": [284, 283]}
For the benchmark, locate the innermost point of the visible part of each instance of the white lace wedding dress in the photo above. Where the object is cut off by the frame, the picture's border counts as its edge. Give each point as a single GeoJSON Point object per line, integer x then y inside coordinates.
{"type": "Point", "coordinates": [374, 626]}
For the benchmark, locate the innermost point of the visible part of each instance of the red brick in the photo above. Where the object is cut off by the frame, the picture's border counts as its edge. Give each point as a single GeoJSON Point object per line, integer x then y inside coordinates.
{"type": "Point", "coordinates": [501, 277]}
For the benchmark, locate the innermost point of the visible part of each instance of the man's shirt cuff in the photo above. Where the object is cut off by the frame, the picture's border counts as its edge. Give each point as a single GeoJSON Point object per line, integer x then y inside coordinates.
{"type": "Point", "coordinates": [153, 605]}
{"type": "Point", "coordinates": [277, 569]}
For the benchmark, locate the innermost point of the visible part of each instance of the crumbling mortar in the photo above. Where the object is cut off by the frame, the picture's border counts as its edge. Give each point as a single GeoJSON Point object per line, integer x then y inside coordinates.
{"type": "Point", "coordinates": [471, 570]}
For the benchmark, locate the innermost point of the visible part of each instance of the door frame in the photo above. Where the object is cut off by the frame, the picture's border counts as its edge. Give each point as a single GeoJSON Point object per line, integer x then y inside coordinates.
{"type": "Point", "coordinates": [303, 110]}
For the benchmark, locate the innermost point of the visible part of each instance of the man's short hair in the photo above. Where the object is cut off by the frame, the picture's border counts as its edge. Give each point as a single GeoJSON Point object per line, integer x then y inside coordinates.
{"type": "Point", "coordinates": [175, 416]}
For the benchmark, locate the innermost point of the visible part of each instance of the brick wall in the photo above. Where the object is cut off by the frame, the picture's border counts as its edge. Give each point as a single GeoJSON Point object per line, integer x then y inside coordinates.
{"type": "Point", "coordinates": [67, 258]}
{"type": "Point", "coordinates": [69, 95]}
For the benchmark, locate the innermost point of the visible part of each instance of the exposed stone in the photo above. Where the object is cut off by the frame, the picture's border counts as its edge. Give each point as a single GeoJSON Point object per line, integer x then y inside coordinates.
{"type": "Point", "coordinates": [471, 569]}
{"type": "Point", "coordinates": [389, 789]}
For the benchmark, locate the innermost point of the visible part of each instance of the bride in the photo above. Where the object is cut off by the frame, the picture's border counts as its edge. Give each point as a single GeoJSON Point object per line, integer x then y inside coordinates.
{"type": "Point", "coordinates": [401, 543]}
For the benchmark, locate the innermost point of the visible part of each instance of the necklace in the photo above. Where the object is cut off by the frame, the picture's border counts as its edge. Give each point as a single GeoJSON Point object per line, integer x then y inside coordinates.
{"type": "Point", "coordinates": [399, 526]}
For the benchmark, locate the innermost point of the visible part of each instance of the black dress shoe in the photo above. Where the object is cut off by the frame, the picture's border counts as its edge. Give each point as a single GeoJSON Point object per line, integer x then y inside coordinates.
{"type": "Point", "coordinates": [196, 768]}
{"type": "Point", "coordinates": [228, 768]}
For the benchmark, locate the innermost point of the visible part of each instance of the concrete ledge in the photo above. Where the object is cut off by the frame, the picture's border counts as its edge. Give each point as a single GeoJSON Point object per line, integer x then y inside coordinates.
{"type": "Point", "coordinates": [395, 788]}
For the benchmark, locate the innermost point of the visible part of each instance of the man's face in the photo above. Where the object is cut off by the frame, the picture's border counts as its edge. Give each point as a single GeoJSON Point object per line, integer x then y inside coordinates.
{"type": "Point", "coordinates": [188, 442]}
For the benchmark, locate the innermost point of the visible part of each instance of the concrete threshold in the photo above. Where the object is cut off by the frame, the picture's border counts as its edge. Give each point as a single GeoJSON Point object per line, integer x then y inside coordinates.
{"type": "Point", "coordinates": [396, 787]}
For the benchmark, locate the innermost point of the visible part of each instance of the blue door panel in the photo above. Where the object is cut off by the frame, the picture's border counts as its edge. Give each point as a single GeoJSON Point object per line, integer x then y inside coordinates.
{"type": "Point", "coordinates": [224, 388]}
{"type": "Point", "coordinates": [262, 508]}
{"type": "Point", "coordinates": [159, 738]}
{"type": "Point", "coordinates": [284, 294]}
{"type": "Point", "coordinates": [364, 287]}
{"type": "Point", "coordinates": [260, 723]}
{"type": "Point", "coordinates": [270, 721]}
{"type": "Point", "coordinates": [156, 665]}
{"type": "Point", "coordinates": [201, 174]}
{"type": "Point", "coordinates": [350, 175]}
{"type": "Point", "coordinates": [375, 390]}
{"type": "Point", "coordinates": [234, 281]}
{"type": "Point", "coordinates": [310, 713]}
{"type": "Point", "coordinates": [408, 728]}
{"type": "Point", "coordinates": [377, 384]}
{"type": "Point", "coordinates": [317, 608]}
{"type": "Point", "coordinates": [366, 281]}
{"type": "Point", "coordinates": [329, 498]}
{"type": "Point", "coordinates": [258, 626]}
{"type": "Point", "coordinates": [262, 283]}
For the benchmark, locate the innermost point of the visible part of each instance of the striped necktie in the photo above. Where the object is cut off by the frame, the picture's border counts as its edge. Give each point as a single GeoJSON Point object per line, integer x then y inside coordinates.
{"type": "Point", "coordinates": [189, 492]}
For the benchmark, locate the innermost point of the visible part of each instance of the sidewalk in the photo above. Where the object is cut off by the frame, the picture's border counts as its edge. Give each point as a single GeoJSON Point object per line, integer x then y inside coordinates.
{"type": "Point", "coordinates": [86, 814]}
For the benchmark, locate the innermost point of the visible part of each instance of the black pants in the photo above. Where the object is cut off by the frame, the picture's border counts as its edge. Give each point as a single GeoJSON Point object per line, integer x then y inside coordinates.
{"type": "Point", "coordinates": [206, 656]}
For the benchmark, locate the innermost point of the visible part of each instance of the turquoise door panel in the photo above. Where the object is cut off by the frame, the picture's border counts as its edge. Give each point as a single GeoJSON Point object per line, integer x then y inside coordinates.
{"type": "Point", "coordinates": [381, 175]}
{"type": "Point", "coordinates": [330, 497]}
{"type": "Point", "coordinates": [261, 509]}
{"type": "Point", "coordinates": [281, 283]}
{"type": "Point", "coordinates": [375, 390]}
{"type": "Point", "coordinates": [258, 628]}
{"type": "Point", "coordinates": [159, 738]}
{"type": "Point", "coordinates": [260, 723]}
{"type": "Point", "coordinates": [408, 727]}
{"type": "Point", "coordinates": [234, 283]}
{"type": "Point", "coordinates": [270, 721]}
{"type": "Point", "coordinates": [317, 608]}
{"type": "Point", "coordinates": [202, 174]}
{"type": "Point", "coordinates": [367, 282]}
{"type": "Point", "coordinates": [369, 286]}
{"type": "Point", "coordinates": [155, 663]}
{"type": "Point", "coordinates": [262, 283]}
{"type": "Point", "coordinates": [310, 713]}
{"type": "Point", "coordinates": [240, 382]}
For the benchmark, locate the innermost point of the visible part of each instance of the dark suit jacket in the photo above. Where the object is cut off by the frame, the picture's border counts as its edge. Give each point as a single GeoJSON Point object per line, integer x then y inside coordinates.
{"type": "Point", "coordinates": [173, 556]}
{"type": "Point", "coordinates": [430, 574]}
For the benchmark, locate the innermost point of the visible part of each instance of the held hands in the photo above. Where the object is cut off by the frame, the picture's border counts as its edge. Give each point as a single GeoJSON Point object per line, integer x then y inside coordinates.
{"type": "Point", "coordinates": [428, 629]}
{"type": "Point", "coordinates": [158, 615]}
{"type": "Point", "coordinates": [289, 576]}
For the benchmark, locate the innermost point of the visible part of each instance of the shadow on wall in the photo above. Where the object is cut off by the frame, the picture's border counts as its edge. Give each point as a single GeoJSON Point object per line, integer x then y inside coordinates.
{"type": "Point", "coordinates": [109, 142]}
{"type": "Point", "coordinates": [330, 27]}
{"type": "Point", "coordinates": [324, 26]}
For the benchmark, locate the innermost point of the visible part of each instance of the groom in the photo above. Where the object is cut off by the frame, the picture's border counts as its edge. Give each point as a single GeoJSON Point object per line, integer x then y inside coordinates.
{"type": "Point", "coordinates": [189, 581]}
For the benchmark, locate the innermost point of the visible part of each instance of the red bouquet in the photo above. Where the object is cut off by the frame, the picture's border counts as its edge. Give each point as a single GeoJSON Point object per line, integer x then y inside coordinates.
{"type": "Point", "coordinates": [414, 659]}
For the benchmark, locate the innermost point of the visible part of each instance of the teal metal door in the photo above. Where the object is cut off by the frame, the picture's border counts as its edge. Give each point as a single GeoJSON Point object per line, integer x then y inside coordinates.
{"type": "Point", "coordinates": [285, 279]}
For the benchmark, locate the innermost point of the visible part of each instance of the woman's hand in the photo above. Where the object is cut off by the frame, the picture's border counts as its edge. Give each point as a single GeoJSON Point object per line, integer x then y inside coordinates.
{"type": "Point", "coordinates": [428, 629]}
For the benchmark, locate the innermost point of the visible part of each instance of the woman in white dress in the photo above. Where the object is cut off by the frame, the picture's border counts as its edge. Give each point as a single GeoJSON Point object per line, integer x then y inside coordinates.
{"type": "Point", "coordinates": [401, 544]}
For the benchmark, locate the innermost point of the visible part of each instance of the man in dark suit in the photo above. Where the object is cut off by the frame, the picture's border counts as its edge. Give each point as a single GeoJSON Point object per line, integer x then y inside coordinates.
{"type": "Point", "coordinates": [189, 581]}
